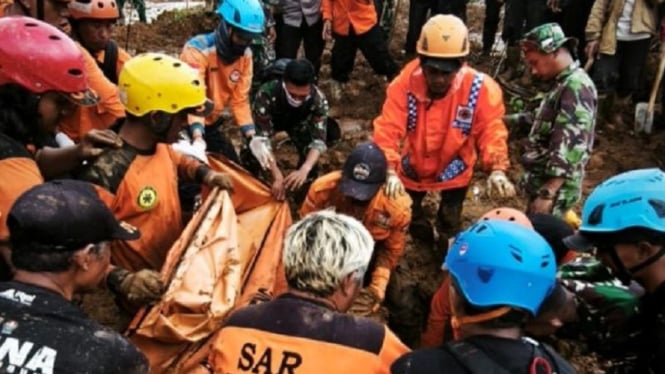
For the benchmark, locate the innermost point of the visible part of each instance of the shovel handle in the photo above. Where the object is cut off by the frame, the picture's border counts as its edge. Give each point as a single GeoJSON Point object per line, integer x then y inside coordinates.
{"type": "Point", "coordinates": [656, 84]}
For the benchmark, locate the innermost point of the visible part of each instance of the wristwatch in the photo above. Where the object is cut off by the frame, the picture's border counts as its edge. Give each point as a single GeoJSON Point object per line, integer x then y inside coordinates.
{"type": "Point", "coordinates": [546, 194]}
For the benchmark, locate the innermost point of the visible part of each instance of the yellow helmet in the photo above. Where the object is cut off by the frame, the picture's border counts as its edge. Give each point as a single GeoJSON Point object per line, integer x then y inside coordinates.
{"type": "Point", "coordinates": [158, 82]}
{"type": "Point", "coordinates": [443, 36]}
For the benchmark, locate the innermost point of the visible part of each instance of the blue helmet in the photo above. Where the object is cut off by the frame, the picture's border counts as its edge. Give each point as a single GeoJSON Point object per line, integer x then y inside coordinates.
{"type": "Point", "coordinates": [500, 263]}
{"type": "Point", "coordinates": [632, 199]}
{"type": "Point", "coordinates": [245, 15]}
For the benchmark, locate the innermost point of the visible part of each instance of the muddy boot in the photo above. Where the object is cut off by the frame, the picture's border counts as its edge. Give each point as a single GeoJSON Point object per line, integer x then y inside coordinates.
{"type": "Point", "coordinates": [622, 110]}
{"type": "Point", "coordinates": [512, 63]}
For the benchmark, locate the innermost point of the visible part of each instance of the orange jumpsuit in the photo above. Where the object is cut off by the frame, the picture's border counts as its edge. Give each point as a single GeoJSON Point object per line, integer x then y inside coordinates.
{"type": "Point", "coordinates": [100, 116]}
{"type": "Point", "coordinates": [225, 84]}
{"type": "Point", "coordinates": [292, 334]}
{"type": "Point", "coordinates": [386, 219]}
{"type": "Point", "coordinates": [441, 137]}
{"type": "Point", "coordinates": [142, 189]}
{"type": "Point", "coordinates": [344, 14]}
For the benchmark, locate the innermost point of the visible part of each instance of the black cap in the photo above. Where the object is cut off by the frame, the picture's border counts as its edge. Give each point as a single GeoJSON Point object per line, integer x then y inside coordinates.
{"type": "Point", "coordinates": [64, 215]}
{"type": "Point", "coordinates": [554, 230]}
{"type": "Point", "coordinates": [364, 172]}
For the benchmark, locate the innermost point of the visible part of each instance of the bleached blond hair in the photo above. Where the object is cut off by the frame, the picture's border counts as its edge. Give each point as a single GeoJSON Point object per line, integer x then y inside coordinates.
{"type": "Point", "coordinates": [322, 249]}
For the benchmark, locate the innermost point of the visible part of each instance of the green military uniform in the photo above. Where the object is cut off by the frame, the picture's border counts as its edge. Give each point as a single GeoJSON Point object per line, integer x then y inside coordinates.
{"type": "Point", "coordinates": [561, 137]}
{"type": "Point", "coordinates": [263, 52]}
{"type": "Point", "coordinates": [306, 125]}
{"type": "Point", "coordinates": [609, 312]}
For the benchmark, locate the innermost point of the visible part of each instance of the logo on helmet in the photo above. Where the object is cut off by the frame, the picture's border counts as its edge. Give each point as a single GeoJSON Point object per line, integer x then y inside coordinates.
{"type": "Point", "coordinates": [361, 171]}
{"type": "Point", "coordinates": [462, 249]}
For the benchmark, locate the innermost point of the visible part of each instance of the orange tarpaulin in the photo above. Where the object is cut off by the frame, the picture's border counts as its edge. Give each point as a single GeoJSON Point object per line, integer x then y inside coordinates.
{"type": "Point", "coordinates": [229, 250]}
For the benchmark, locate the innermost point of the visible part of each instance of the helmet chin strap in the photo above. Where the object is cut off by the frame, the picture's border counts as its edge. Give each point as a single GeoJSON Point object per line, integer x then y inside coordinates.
{"type": "Point", "coordinates": [626, 274]}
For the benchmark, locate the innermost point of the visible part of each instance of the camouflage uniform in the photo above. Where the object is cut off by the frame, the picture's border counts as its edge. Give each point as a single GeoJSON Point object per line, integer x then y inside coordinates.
{"type": "Point", "coordinates": [263, 52]}
{"type": "Point", "coordinates": [609, 313]}
{"type": "Point", "coordinates": [561, 137]}
{"type": "Point", "coordinates": [306, 125]}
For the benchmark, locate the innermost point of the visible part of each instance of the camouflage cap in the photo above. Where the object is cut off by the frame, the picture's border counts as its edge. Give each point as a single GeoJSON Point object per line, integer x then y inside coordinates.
{"type": "Point", "coordinates": [547, 38]}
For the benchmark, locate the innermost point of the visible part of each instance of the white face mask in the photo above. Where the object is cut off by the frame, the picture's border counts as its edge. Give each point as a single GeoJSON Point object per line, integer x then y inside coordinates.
{"type": "Point", "coordinates": [296, 103]}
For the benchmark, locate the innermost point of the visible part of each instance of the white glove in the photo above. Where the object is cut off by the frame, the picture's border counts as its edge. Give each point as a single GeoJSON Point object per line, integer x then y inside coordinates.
{"type": "Point", "coordinates": [196, 149]}
{"type": "Point", "coordinates": [63, 140]}
{"type": "Point", "coordinates": [498, 183]}
{"type": "Point", "coordinates": [394, 186]}
{"type": "Point", "coordinates": [260, 147]}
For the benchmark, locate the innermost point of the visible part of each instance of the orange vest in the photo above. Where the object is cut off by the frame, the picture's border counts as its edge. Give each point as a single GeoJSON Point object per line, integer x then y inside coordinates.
{"type": "Point", "coordinates": [295, 335]}
{"type": "Point", "coordinates": [100, 116]}
{"type": "Point", "coordinates": [386, 219]}
{"type": "Point", "coordinates": [441, 137]}
{"type": "Point", "coordinates": [344, 14]}
{"type": "Point", "coordinates": [225, 84]}
{"type": "Point", "coordinates": [147, 198]}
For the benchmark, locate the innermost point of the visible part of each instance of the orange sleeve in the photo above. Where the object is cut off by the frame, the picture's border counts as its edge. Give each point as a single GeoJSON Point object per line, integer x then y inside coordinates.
{"type": "Point", "coordinates": [492, 135]}
{"type": "Point", "coordinates": [123, 57]}
{"type": "Point", "coordinates": [440, 315]}
{"type": "Point", "coordinates": [393, 245]}
{"type": "Point", "coordinates": [189, 168]}
{"type": "Point", "coordinates": [194, 58]}
{"type": "Point", "coordinates": [390, 126]}
{"type": "Point", "coordinates": [239, 101]}
{"type": "Point", "coordinates": [326, 10]}
{"type": "Point", "coordinates": [392, 348]}
{"type": "Point", "coordinates": [109, 99]}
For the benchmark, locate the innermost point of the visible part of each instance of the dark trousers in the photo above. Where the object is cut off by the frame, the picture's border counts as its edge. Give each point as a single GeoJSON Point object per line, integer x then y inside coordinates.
{"type": "Point", "coordinates": [522, 16]}
{"type": "Point", "coordinates": [573, 22]}
{"type": "Point", "coordinates": [418, 14]}
{"type": "Point", "coordinates": [290, 37]}
{"type": "Point", "coordinates": [449, 214]}
{"type": "Point", "coordinates": [373, 46]}
{"type": "Point", "coordinates": [491, 23]}
{"type": "Point", "coordinates": [623, 71]}
{"type": "Point", "coordinates": [454, 7]}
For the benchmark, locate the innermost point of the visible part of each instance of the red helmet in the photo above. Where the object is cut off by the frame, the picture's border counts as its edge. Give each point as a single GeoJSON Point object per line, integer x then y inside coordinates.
{"type": "Point", "coordinates": [507, 214]}
{"type": "Point", "coordinates": [41, 58]}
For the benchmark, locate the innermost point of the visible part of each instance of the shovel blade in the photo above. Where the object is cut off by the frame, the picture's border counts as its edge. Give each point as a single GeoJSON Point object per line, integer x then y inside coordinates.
{"type": "Point", "coordinates": [641, 114]}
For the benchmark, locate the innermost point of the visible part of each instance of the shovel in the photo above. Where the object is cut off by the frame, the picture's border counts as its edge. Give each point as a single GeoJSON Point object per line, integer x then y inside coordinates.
{"type": "Point", "coordinates": [644, 111]}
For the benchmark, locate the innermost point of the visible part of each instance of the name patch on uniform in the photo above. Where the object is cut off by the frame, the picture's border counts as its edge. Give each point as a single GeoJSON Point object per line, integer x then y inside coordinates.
{"type": "Point", "coordinates": [234, 76]}
{"type": "Point", "coordinates": [147, 197]}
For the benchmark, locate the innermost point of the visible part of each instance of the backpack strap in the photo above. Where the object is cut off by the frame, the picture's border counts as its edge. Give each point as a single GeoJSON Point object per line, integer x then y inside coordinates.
{"type": "Point", "coordinates": [474, 360]}
{"type": "Point", "coordinates": [110, 61]}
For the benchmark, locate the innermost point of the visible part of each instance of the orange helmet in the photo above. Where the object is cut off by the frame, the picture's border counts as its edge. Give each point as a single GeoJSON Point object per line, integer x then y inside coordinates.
{"type": "Point", "coordinates": [94, 9]}
{"type": "Point", "coordinates": [507, 214]}
{"type": "Point", "coordinates": [444, 36]}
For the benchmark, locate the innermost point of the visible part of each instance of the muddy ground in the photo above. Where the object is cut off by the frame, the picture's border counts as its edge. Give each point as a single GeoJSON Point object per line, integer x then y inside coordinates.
{"type": "Point", "coordinates": [617, 148]}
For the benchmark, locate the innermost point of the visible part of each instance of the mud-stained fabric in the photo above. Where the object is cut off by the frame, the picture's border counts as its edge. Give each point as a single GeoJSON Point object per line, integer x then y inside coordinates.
{"type": "Point", "coordinates": [297, 335]}
{"type": "Point", "coordinates": [41, 332]}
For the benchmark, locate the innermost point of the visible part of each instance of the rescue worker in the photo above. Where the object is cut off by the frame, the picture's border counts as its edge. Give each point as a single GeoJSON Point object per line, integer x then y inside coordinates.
{"type": "Point", "coordinates": [357, 190]}
{"type": "Point", "coordinates": [487, 308]}
{"type": "Point", "coordinates": [306, 329]}
{"type": "Point", "coordinates": [354, 25]}
{"type": "Point", "coordinates": [552, 229]}
{"type": "Point", "coordinates": [108, 109]}
{"type": "Point", "coordinates": [224, 63]}
{"type": "Point", "coordinates": [92, 25]}
{"type": "Point", "coordinates": [60, 234]}
{"type": "Point", "coordinates": [443, 111]}
{"type": "Point", "coordinates": [42, 79]}
{"type": "Point", "coordinates": [622, 219]}
{"type": "Point", "coordinates": [139, 182]}
{"type": "Point", "coordinates": [300, 21]}
{"type": "Point", "coordinates": [296, 105]}
{"type": "Point", "coordinates": [562, 129]}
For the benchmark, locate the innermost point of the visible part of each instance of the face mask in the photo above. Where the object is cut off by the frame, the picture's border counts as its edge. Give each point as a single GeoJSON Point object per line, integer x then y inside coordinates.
{"type": "Point", "coordinates": [296, 103]}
